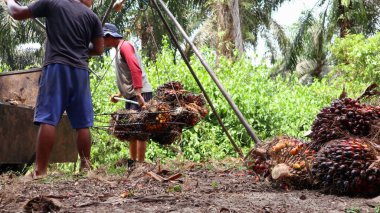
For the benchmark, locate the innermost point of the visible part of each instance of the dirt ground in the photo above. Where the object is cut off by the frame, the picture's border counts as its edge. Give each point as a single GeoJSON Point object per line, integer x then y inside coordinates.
{"type": "Point", "coordinates": [201, 188]}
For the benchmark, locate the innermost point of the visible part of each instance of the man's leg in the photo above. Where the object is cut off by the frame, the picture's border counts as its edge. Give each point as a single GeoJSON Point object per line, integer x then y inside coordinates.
{"type": "Point", "coordinates": [45, 141]}
{"type": "Point", "coordinates": [141, 149]}
{"type": "Point", "coordinates": [133, 150]}
{"type": "Point", "coordinates": [84, 147]}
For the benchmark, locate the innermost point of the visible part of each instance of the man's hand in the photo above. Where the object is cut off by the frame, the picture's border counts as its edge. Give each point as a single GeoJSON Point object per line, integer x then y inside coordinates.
{"type": "Point", "coordinates": [17, 11]}
{"type": "Point", "coordinates": [140, 98]}
{"type": "Point", "coordinates": [141, 101]}
{"type": "Point", "coordinates": [96, 47]}
{"type": "Point", "coordinates": [118, 5]}
{"type": "Point", "coordinates": [113, 100]}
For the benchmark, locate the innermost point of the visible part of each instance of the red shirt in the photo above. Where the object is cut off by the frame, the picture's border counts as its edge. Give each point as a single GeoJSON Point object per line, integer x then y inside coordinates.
{"type": "Point", "coordinates": [127, 52]}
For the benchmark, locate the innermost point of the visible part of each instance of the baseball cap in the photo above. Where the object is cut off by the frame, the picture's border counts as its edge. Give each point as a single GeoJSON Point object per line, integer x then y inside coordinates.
{"type": "Point", "coordinates": [111, 29]}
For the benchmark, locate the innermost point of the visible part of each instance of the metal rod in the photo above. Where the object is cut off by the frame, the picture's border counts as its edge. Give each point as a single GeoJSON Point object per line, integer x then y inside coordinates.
{"type": "Point", "coordinates": [126, 100]}
{"type": "Point", "coordinates": [108, 11]}
{"type": "Point", "coordinates": [176, 43]}
{"type": "Point", "coordinates": [212, 74]}
{"type": "Point", "coordinates": [39, 23]}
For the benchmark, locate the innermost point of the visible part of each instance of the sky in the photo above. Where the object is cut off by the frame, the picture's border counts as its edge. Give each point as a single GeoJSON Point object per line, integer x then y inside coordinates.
{"type": "Point", "coordinates": [287, 14]}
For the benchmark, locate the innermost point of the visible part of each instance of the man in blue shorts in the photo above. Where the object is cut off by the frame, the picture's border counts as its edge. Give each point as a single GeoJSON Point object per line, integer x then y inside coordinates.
{"type": "Point", "coordinates": [64, 85]}
{"type": "Point", "coordinates": [131, 81]}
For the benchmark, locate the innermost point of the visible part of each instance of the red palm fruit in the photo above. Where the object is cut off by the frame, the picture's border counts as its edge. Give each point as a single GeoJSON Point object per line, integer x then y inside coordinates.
{"type": "Point", "coordinates": [343, 117]}
{"type": "Point", "coordinates": [354, 172]}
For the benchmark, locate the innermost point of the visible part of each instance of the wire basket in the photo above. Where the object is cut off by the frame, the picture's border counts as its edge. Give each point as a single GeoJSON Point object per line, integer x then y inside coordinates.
{"type": "Point", "coordinates": [163, 127]}
{"type": "Point", "coordinates": [163, 118]}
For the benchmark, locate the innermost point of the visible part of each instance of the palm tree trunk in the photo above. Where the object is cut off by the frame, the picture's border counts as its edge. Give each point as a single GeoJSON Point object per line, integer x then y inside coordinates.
{"type": "Point", "coordinates": [344, 23]}
{"type": "Point", "coordinates": [222, 22]}
{"type": "Point", "coordinates": [229, 27]}
{"type": "Point", "coordinates": [236, 27]}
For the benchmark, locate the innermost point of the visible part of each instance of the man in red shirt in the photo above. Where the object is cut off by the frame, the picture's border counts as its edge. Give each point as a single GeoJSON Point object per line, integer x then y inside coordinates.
{"type": "Point", "coordinates": [131, 80]}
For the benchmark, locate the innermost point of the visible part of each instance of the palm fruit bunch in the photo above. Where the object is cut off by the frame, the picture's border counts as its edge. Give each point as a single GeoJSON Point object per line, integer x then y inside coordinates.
{"type": "Point", "coordinates": [187, 107]}
{"type": "Point", "coordinates": [375, 132]}
{"type": "Point", "coordinates": [189, 114]}
{"type": "Point", "coordinates": [125, 126]}
{"type": "Point", "coordinates": [174, 94]}
{"type": "Point", "coordinates": [291, 159]}
{"type": "Point", "coordinates": [170, 91]}
{"type": "Point", "coordinates": [172, 85]}
{"type": "Point", "coordinates": [169, 137]}
{"type": "Point", "coordinates": [342, 158]}
{"type": "Point", "coordinates": [198, 100]}
{"type": "Point", "coordinates": [163, 118]}
{"type": "Point", "coordinates": [157, 117]}
{"type": "Point", "coordinates": [258, 161]}
{"type": "Point", "coordinates": [285, 160]}
{"type": "Point", "coordinates": [348, 166]}
{"type": "Point", "coordinates": [344, 117]}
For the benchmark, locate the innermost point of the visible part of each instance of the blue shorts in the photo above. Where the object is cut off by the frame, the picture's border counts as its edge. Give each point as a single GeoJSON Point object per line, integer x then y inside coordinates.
{"type": "Point", "coordinates": [64, 88]}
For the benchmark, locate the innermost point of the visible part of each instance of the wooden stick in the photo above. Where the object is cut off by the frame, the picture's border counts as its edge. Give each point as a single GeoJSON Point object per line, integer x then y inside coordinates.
{"type": "Point", "coordinates": [156, 176]}
{"type": "Point", "coordinates": [174, 177]}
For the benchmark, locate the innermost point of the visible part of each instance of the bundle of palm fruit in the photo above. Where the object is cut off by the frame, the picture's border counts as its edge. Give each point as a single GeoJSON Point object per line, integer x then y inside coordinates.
{"type": "Point", "coordinates": [283, 160]}
{"type": "Point", "coordinates": [126, 125]}
{"type": "Point", "coordinates": [343, 156]}
{"type": "Point", "coordinates": [348, 166]}
{"type": "Point", "coordinates": [344, 117]}
{"type": "Point", "coordinates": [163, 118]}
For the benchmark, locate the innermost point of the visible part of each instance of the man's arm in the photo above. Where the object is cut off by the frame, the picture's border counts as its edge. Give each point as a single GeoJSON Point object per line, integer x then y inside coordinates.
{"type": "Point", "coordinates": [17, 11]}
{"type": "Point", "coordinates": [97, 46]}
{"type": "Point", "coordinates": [127, 52]}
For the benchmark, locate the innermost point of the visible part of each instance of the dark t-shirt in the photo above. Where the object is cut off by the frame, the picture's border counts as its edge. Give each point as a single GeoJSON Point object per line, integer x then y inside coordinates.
{"type": "Point", "coordinates": [70, 27]}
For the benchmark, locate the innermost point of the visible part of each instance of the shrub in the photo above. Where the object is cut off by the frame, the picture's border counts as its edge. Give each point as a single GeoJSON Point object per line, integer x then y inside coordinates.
{"type": "Point", "coordinates": [357, 58]}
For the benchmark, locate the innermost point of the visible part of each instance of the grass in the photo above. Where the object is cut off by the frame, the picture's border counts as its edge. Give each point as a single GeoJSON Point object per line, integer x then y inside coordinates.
{"type": "Point", "coordinates": [377, 209]}
{"type": "Point", "coordinates": [214, 184]}
{"type": "Point", "coordinates": [352, 210]}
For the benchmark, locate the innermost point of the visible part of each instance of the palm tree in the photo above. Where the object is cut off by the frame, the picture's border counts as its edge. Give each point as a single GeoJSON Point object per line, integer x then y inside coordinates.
{"type": "Point", "coordinates": [339, 17]}
{"type": "Point", "coordinates": [139, 19]}
{"type": "Point", "coordinates": [13, 33]}
{"type": "Point", "coordinates": [235, 25]}
{"type": "Point", "coordinates": [216, 23]}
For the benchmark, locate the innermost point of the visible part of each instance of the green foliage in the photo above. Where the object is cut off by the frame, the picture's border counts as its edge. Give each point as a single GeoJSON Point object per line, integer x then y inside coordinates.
{"type": "Point", "coordinates": [105, 148]}
{"type": "Point", "coordinates": [175, 188]}
{"type": "Point", "coordinates": [377, 209]}
{"type": "Point", "coordinates": [272, 106]}
{"type": "Point", "coordinates": [4, 68]}
{"type": "Point", "coordinates": [214, 184]}
{"type": "Point", "coordinates": [352, 210]}
{"type": "Point", "coordinates": [358, 58]}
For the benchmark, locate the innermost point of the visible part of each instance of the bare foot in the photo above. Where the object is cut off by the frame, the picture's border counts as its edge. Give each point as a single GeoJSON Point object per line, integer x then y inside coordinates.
{"type": "Point", "coordinates": [33, 175]}
{"type": "Point", "coordinates": [85, 166]}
